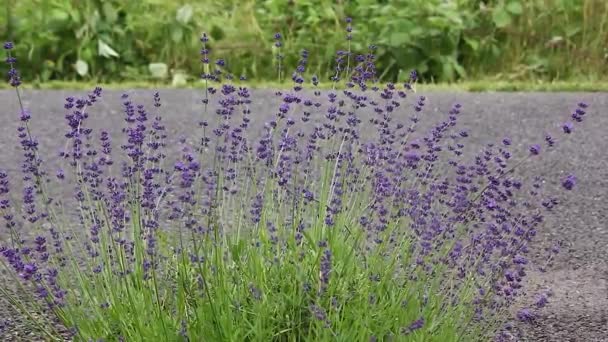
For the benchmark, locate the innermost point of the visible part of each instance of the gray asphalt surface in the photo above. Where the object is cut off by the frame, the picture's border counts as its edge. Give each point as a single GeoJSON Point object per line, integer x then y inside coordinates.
{"type": "Point", "coordinates": [578, 311]}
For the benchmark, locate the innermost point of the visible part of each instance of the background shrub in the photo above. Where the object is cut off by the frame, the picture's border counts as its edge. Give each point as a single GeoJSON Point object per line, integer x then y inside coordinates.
{"type": "Point", "coordinates": [445, 40]}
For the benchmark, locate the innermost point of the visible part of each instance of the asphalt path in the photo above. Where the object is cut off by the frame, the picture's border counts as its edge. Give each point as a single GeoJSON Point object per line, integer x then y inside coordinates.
{"type": "Point", "coordinates": [578, 309]}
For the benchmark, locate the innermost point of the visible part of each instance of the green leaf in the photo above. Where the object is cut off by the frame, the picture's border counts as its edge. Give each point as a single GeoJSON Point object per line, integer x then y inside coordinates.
{"type": "Point", "coordinates": [81, 31]}
{"type": "Point", "coordinates": [501, 17]}
{"type": "Point", "coordinates": [495, 50]}
{"type": "Point", "coordinates": [179, 78]}
{"type": "Point", "coordinates": [474, 44]}
{"type": "Point", "coordinates": [59, 15]}
{"type": "Point", "coordinates": [158, 70]}
{"type": "Point", "coordinates": [105, 50]}
{"type": "Point", "coordinates": [515, 7]}
{"type": "Point", "coordinates": [329, 12]}
{"type": "Point", "coordinates": [572, 31]}
{"type": "Point", "coordinates": [555, 40]}
{"type": "Point", "coordinates": [184, 14]}
{"type": "Point", "coordinates": [217, 33]}
{"type": "Point", "coordinates": [416, 31]}
{"type": "Point", "coordinates": [422, 67]}
{"type": "Point", "coordinates": [109, 12]}
{"type": "Point", "coordinates": [459, 69]}
{"type": "Point", "coordinates": [82, 68]}
{"type": "Point", "coordinates": [75, 15]}
{"type": "Point", "coordinates": [399, 38]}
{"type": "Point", "coordinates": [87, 53]}
{"type": "Point", "coordinates": [177, 34]}
{"type": "Point", "coordinates": [447, 72]}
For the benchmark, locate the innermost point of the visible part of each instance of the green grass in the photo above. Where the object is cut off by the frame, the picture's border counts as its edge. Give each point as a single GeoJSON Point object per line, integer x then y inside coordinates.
{"type": "Point", "coordinates": [469, 86]}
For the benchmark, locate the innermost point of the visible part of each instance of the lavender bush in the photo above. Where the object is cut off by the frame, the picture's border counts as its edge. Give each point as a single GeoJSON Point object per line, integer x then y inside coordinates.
{"type": "Point", "coordinates": [322, 227]}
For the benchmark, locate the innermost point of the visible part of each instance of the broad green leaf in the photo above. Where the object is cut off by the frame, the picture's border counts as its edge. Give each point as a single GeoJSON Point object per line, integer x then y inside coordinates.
{"type": "Point", "coordinates": [105, 50]}
{"type": "Point", "coordinates": [75, 15]}
{"type": "Point", "coordinates": [454, 18]}
{"type": "Point", "coordinates": [179, 78]}
{"type": "Point", "coordinates": [402, 75]}
{"type": "Point", "coordinates": [495, 50]}
{"type": "Point", "coordinates": [501, 17]}
{"type": "Point", "coordinates": [460, 70]}
{"type": "Point", "coordinates": [177, 34]}
{"type": "Point", "coordinates": [59, 15]}
{"type": "Point", "coordinates": [158, 70]}
{"type": "Point", "coordinates": [515, 7]}
{"type": "Point", "coordinates": [184, 14]}
{"type": "Point", "coordinates": [474, 44]}
{"type": "Point", "coordinates": [329, 12]}
{"type": "Point", "coordinates": [109, 12]}
{"type": "Point", "coordinates": [555, 40]}
{"type": "Point", "coordinates": [45, 75]}
{"type": "Point", "coordinates": [217, 32]}
{"type": "Point", "coordinates": [422, 67]}
{"type": "Point", "coordinates": [399, 38]}
{"type": "Point", "coordinates": [416, 31]}
{"type": "Point", "coordinates": [572, 31]}
{"type": "Point", "coordinates": [82, 68]}
{"type": "Point", "coordinates": [448, 71]}
{"type": "Point", "coordinates": [87, 53]}
{"type": "Point", "coordinates": [81, 31]}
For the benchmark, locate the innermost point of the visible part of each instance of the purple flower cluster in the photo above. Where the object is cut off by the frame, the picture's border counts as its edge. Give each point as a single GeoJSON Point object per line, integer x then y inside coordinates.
{"type": "Point", "coordinates": [325, 270]}
{"type": "Point", "coordinates": [14, 79]}
{"type": "Point", "coordinates": [330, 171]}
{"type": "Point", "coordinates": [569, 182]}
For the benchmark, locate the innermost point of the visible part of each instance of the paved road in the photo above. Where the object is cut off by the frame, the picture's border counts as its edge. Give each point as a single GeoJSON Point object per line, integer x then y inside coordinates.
{"type": "Point", "coordinates": [579, 309]}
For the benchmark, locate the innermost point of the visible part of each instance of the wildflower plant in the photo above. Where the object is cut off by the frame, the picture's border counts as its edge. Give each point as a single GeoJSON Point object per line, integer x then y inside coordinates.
{"type": "Point", "coordinates": [340, 220]}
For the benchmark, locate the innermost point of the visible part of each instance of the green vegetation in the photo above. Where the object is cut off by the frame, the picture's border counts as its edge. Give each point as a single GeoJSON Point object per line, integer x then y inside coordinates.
{"type": "Point", "coordinates": [474, 86]}
{"type": "Point", "coordinates": [446, 41]}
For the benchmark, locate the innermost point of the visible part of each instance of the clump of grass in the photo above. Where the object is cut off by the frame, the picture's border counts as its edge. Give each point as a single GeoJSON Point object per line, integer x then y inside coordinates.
{"type": "Point", "coordinates": [338, 221]}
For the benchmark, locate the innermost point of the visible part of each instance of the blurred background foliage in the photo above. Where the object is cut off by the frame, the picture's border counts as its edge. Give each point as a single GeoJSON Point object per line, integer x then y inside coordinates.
{"type": "Point", "coordinates": [445, 40]}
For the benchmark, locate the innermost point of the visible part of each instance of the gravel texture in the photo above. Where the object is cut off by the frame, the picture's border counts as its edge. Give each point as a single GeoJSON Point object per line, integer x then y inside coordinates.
{"type": "Point", "coordinates": [578, 309]}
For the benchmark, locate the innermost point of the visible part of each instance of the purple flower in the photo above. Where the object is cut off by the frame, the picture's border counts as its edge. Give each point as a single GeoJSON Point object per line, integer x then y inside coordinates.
{"type": "Point", "coordinates": [326, 265]}
{"type": "Point", "coordinates": [525, 315]}
{"type": "Point", "coordinates": [329, 220]}
{"type": "Point", "coordinates": [535, 149]}
{"type": "Point", "coordinates": [541, 300]}
{"type": "Point", "coordinates": [25, 115]}
{"type": "Point", "coordinates": [520, 260]}
{"type": "Point", "coordinates": [569, 182]}
{"type": "Point", "coordinates": [550, 141]}
{"type": "Point", "coordinates": [255, 292]}
{"type": "Point", "coordinates": [415, 325]}
{"type": "Point", "coordinates": [277, 38]}
{"type": "Point", "coordinates": [568, 127]}
{"type": "Point", "coordinates": [412, 156]}
{"type": "Point", "coordinates": [13, 74]}
{"type": "Point", "coordinates": [28, 271]}
{"type": "Point", "coordinates": [413, 75]}
{"type": "Point", "coordinates": [319, 313]}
